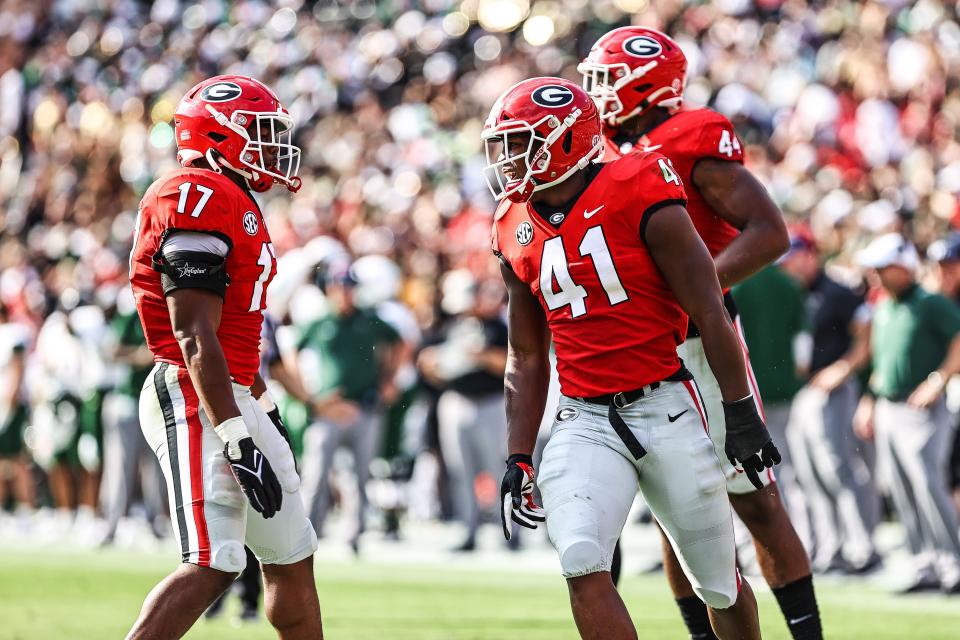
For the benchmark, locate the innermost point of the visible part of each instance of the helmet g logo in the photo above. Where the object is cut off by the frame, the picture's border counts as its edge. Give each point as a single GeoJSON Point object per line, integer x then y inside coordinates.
{"type": "Point", "coordinates": [221, 92]}
{"type": "Point", "coordinates": [642, 47]}
{"type": "Point", "coordinates": [524, 233]}
{"type": "Point", "coordinates": [552, 96]}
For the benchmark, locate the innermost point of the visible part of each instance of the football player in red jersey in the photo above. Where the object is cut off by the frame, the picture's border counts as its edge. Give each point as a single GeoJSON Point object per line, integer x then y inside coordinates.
{"type": "Point", "coordinates": [200, 267]}
{"type": "Point", "coordinates": [636, 77]}
{"type": "Point", "coordinates": [604, 258]}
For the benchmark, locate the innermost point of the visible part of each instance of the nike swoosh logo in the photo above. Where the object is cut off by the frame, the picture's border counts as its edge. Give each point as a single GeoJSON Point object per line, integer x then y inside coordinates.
{"type": "Point", "coordinates": [676, 417]}
{"type": "Point", "coordinates": [589, 214]}
{"type": "Point", "coordinates": [258, 462]}
{"type": "Point", "coordinates": [653, 148]}
{"type": "Point", "coordinates": [793, 621]}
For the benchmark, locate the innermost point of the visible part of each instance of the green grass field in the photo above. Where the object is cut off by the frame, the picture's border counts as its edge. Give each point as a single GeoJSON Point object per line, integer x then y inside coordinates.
{"type": "Point", "coordinates": [95, 596]}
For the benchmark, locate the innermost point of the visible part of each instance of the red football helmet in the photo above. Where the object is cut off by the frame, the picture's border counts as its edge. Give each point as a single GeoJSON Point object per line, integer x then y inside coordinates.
{"type": "Point", "coordinates": [236, 122]}
{"type": "Point", "coordinates": [631, 69]}
{"type": "Point", "coordinates": [550, 124]}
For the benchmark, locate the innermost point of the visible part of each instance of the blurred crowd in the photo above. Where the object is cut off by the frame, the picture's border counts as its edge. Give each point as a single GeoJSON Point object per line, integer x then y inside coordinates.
{"type": "Point", "coordinates": [849, 112]}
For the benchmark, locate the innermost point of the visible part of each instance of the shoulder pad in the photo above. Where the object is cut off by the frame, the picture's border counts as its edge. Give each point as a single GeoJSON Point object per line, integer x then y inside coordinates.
{"type": "Point", "coordinates": [502, 209]}
{"type": "Point", "coordinates": [703, 117]}
{"type": "Point", "coordinates": [627, 167]}
{"type": "Point", "coordinates": [610, 151]}
{"type": "Point", "coordinates": [205, 177]}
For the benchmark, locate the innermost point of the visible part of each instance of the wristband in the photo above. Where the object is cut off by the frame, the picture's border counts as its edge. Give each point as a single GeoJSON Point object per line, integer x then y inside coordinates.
{"type": "Point", "coordinates": [232, 430]}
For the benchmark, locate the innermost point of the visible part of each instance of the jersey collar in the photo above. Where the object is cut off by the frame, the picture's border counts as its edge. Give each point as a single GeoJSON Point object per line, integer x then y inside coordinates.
{"type": "Point", "coordinates": [552, 216]}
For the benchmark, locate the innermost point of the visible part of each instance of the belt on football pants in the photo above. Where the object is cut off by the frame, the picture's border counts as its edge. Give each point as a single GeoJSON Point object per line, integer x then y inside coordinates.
{"type": "Point", "coordinates": [620, 400]}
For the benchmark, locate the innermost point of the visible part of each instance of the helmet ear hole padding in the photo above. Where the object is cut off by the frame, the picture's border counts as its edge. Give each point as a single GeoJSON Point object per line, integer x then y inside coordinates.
{"type": "Point", "coordinates": [567, 142]}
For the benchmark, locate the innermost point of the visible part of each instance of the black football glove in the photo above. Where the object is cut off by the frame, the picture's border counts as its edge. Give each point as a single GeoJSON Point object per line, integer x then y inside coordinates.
{"type": "Point", "coordinates": [516, 495]}
{"type": "Point", "coordinates": [255, 476]}
{"type": "Point", "coordinates": [748, 443]}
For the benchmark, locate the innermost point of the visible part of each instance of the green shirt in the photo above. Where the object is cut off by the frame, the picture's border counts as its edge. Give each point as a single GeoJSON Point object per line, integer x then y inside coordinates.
{"type": "Point", "coordinates": [909, 340]}
{"type": "Point", "coordinates": [771, 306]}
{"type": "Point", "coordinates": [130, 334]}
{"type": "Point", "coordinates": [341, 353]}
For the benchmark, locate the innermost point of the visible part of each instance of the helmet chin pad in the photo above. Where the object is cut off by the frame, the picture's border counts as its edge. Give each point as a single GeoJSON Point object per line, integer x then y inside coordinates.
{"type": "Point", "coordinates": [519, 195]}
{"type": "Point", "coordinates": [260, 183]}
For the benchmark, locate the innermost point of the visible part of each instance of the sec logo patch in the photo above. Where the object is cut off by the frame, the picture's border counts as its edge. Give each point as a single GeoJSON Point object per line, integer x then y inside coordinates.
{"type": "Point", "coordinates": [250, 223]}
{"type": "Point", "coordinates": [524, 233]}
{"type": "Point", "coordinates": [567, 413]}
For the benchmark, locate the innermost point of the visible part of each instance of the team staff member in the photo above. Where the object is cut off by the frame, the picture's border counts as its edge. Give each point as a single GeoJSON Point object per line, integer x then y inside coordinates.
{"type": "Point", "coordinates": [636, 76]}
{"type": "Point", "coordinates": [467, 363]}
{"type": "Point", "coordinates": [231, 476]}
{"type": "Point", "coordinates": [350, 357]}
{"type": "Point", "coordinates": [834, 479]}
{"type": "Point", "coordinates": [915, 349]}
{"type": "Point", "coordinates": [604, 259]}
{"type": "Point", "coordinates": [125, 452]}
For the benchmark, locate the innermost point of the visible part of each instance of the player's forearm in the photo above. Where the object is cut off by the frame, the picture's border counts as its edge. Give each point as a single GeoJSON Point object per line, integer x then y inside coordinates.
{"type": "Point", "coordinates": [259, 386]}
{"type": "Point", "coordinates": [858, 355]}
{"type": "Point", "coordinates": [724, 354]}
{"type": "Point", "coordinates": [758, 245]}
{"type": "Point", "coordinates": [209, 373]}
{"type": "Point", "coordinates": [526, 381]}
{"type": "Point", "coordinates": [740, 199]}
{"type": "Point", "coordinates": [390, 363]}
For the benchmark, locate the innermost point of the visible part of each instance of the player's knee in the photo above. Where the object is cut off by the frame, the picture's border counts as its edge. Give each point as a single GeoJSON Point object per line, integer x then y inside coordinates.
{"type": "Point", "coordinates": [582, 557]}
{"type": "Point", "coordinates": [717, 599]}
{"type": "Point", "coordinates": [229, 557]}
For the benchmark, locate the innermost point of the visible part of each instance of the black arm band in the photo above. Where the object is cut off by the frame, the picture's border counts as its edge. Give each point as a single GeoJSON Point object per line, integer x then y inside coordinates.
{"type": "Point", "coordinates": [191, 270]}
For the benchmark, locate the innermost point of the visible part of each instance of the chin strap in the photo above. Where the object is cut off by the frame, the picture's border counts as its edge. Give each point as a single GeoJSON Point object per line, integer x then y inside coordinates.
{"type": "Point", "coordinates": [255, 181]}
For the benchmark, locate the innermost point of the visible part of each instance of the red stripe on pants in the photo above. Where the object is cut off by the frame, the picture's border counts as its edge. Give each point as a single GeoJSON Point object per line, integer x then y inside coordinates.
{"type": "Point", "coordinates": [195, 427]}
{"type": "Point", "coordinates": [751, 380]}
{"type": "Point", "coordinates": [696, 402]}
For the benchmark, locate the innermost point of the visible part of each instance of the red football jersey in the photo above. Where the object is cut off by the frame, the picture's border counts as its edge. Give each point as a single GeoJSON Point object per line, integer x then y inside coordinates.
{"type": "Point", "coordinates": [203, 200]}
{"type": "Point", "coordinates": [615, 322]}
{"type": "Point", "coordinates": [687, 137]}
